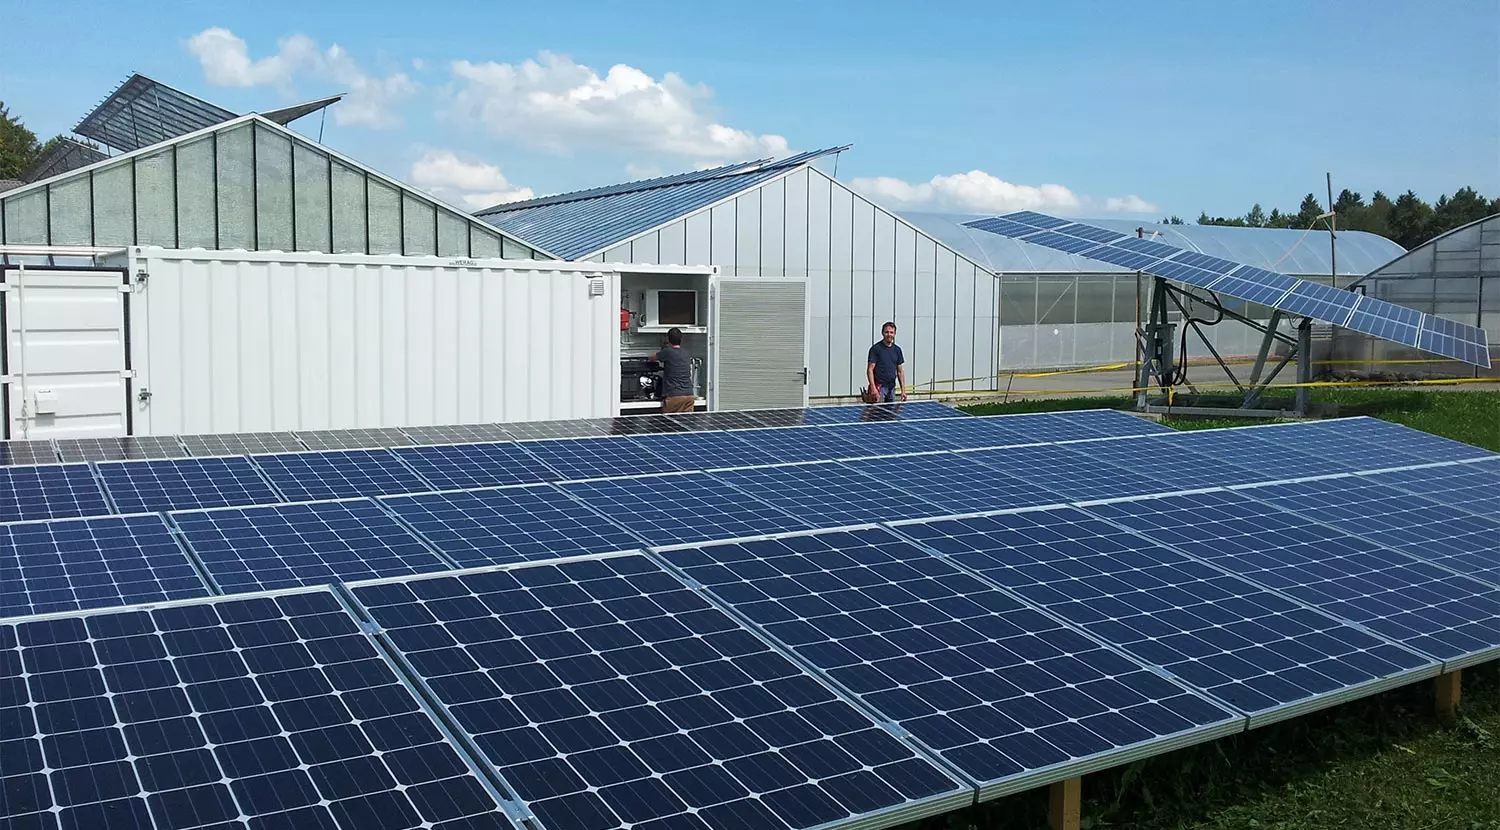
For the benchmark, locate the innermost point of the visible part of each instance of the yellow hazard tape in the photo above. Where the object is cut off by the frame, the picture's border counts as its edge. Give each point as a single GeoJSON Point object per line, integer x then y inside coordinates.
{"type": "Point", "coordinates": [1171, 390]}
{"type": "Point", "coordinates": [932, 385]}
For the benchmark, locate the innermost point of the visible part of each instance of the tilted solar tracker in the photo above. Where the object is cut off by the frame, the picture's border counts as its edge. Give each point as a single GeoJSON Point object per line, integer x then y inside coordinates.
{"type": "Point", "coordinates": [707, 450]}
{"type": "Point", "coordinates": [609, 695]}
{"type": "Point", "coordinates": [184, 484]}
{"type": "Point", "coordinates": [678, 508]}
{"type": "Point", "coordinates": [1416, 603]}
{"type": "Point", "coordinates": [294, 545]}
{"type": "Point", "coordinates": [242, 443]}
{"type": "Point", "coordinates": [338, 474]}
{"type": "Point", "coordinates": [354, 439]}
{"type": "Point", "coordinates": [1474, 487]}
{"type": "Point", "coordinates": [501, 525]}
{"type": "Point", "coordinates": [119, 449]}
{"type": "Point", "coordinates": [1000, 690]}
{"type": "Point", "coordinates": [1426, 528]}
{"type": "Point", "coordinates": [72, 564]}
{"type": "Point", "coordinates": [465, 466]}
{"type": "Point", "coordinates": [947, 484]}
{"type": "Point", "coordinates": [575, 458]}
{"type": "Point", "coordinates": [27, 452]}
{"type": "Point", "coordinates": [50, 491]}
{"type": "Point", "coordinates": [1258, 651]}
{"type": "Point", "coordinates": [824, 493]}
{"type": "Point", "coordinates": [261, 712]}
{"type": "Point", "coordinates": [1361, 313]}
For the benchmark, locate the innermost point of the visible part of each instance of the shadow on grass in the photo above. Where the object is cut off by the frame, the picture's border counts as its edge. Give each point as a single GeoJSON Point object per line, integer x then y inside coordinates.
{"type": "Point", "coordinates": [1385, 762]}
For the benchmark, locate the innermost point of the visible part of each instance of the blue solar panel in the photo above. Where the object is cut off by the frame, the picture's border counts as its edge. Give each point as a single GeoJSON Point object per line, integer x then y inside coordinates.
{"type": "Point", "coordinates": [706, 450]}
{"type": "Point", "coordinates": [1453, 339]}
{"type": "Point", "coordinates": [608, 695]}
{"type": "Point", "coordinates": [261, 712]}
{"type": "Point", "coordinates": [1108, 423]}
{"type": "Point", "coordinates": [825, 494]}
{"type": "Point", "coordinates": [1002, 227]}
{"type": "Point", "coordinates": [1206, 262]}
{"type": "Point", "coordinates": [1182, 272]}
{"type": "Point", "coordinates": [291, 545]}
{"type": "Point", "coordinates": [575, 458]}
{"type": "Point", "coordinates": [466, 466]}
{"type": "Point", "coordinates": [1059, 242]}
{"type": "Point", "coordinates": [1091, 233]}
{"type": "Point", "coordinates": [997, 688]}
{"type": "Point", "coordinates": [1147, 246]}
{"type": "Point", "coordinates": [1473, 487]}
{"type": "Point", "coordinates": [1420, 605]}
{"type": "Point", "coordinates": [509, 524]}
{"type": "Point", "coordinates": [947, 484]}
{"type": "Point", "coordinates": [1258, 651]}
{"type": "Point", "coordinates": [987, 431]}
{"type": "Point", "coordinates": [795, 444]}
{"type": "Point", "coordinates": [1418, 526]}
{"type": "Point", "coordinates": [73, 564]}
{"type": "Point", "coordinates": [1392, 441]}
{"type": "Point", "coordinates": [679, 508]}
{"type": "Point", "coordinates": [1255, 285]}
{"type": "Point", "coordinates": [1069, 470]}
{"type": "Point", "coordinates": [1125, 259]}
{"type": "Point", "coordinates": [51, 491]}
{"type": "Point", "coordinates": [184, 484]}
{"type": "Point", "coordinates": [910, 411]}
{"type": "Point", "coordinates": [1171, 468]}
{"type": "Point", "coordinates": [1321, 302]}
{"type": "Point", "coordinates": [1386, 320]}
{"type": "Point", "coordinates": [338, 474]}
{"type": "Point", "coordinates": [893, 438]}
{"type": "Point", "coordinates": [1007, 430]}
{"type": "Point", "coordinates": [1034, 219]}
{"type": "Point", "coordinates": [1256, 447]}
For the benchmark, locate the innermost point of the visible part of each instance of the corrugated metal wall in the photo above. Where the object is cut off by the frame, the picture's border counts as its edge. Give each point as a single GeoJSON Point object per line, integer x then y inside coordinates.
{"type": "Point", "coordinates": [864, 266]}
{"type": "Point", "coordinates": [249, 186]}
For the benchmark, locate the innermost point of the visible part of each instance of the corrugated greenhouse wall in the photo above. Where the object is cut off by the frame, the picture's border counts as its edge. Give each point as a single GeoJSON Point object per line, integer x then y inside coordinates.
{"type": "Point", "coordinates": [864, 266]}
{"type": "Point", "coordinates": [251, 187]}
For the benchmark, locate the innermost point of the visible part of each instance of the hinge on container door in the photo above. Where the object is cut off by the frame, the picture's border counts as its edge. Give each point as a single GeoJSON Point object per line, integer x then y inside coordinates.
{"type": "Point", "coordinates": [144, 396]}
{"type": "Point", "coordinates": [127, 374]}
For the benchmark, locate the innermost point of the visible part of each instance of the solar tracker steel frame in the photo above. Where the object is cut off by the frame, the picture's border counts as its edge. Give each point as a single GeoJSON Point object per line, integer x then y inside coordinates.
{"type": "Point", "coordinates": [1233, 723]}
{"type": "Point", "coordinates": [1253, 721]}
{"type": "Point", "coordinates": [468, 754]}
{"type": "Point", "coordinates": [517, 809]}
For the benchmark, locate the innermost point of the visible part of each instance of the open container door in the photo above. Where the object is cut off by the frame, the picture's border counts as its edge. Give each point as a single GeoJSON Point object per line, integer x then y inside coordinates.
{"type": "Point", "coordinates": [757, 343]}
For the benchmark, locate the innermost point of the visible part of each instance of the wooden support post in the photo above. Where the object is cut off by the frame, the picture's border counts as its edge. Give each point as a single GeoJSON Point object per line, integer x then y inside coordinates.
{"type": "Point", "coordinates": [1067, 804]}
{"type": "Point", "coordinates": [1450, 688]}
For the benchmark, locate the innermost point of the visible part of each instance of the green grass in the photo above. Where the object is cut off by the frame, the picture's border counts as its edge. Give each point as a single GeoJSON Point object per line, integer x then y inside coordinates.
{"type": "Point", "coordinates": [1473, 417]}
{"type": "Point", "coordinates": [1382, 763]}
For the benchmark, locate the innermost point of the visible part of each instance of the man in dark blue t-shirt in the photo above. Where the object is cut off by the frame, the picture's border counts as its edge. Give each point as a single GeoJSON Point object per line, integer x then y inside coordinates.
{"type": "Point", "coordinates": [886, 371]}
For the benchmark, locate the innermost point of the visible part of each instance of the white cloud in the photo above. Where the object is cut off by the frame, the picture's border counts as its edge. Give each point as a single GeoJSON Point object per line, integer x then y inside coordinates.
{"type": "Point", "coordinates": [557, 104]}
{"type": "Point", "coordinates": [979, 192]}
{"type": "Point", "coordinates": [370, 101]}
{"type": "Point", "coordinates": [462, 182]}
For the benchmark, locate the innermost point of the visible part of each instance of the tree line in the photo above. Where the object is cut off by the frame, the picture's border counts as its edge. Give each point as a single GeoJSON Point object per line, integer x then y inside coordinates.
{"type": "Point", "coordinates": [1408, 219]}
{"type": "Point", "coordinates": [19, 147]}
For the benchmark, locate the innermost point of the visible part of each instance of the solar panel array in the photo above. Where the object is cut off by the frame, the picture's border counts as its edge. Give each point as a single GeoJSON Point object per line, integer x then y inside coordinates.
{"type": "Point", "coordinates": [1348, 309]}
{"type": "Point", "coordinates": [823, 634]}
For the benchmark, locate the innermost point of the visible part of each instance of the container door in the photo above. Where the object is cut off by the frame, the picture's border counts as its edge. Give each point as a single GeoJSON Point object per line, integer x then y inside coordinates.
{"type": "Point", "coordinates": [757, 343]}
{"type": "Point", "coordinates": [64, 363]}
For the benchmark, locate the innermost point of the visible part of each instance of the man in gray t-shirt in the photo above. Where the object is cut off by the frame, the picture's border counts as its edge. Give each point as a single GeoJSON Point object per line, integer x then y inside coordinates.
{"type": "Point", "coordinates": [677, 375]}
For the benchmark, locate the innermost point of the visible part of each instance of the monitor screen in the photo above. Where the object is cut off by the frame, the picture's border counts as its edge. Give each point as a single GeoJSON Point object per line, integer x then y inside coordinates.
{"type": "Point", "coordinates": [677, 308]}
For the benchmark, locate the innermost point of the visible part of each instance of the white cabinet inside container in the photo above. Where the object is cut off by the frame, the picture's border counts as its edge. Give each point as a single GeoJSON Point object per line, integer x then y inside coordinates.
{"type": "Point", "coordinates": [647, 334]}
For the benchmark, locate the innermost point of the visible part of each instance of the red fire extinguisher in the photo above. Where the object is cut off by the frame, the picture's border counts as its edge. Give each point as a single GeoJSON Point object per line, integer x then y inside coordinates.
{"type": "Point", "coordinates": [624, 319]}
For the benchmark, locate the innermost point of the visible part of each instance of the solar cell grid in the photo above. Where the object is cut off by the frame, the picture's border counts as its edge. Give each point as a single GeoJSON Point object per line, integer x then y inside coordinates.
{"type": "Point", "coordinates": [1108, 423]}
{"type": "Point", "coordinates": [184, 484]}
{"type": "Point", "coordinates": [824, 494]}
{"type": "Point", "coordinates": [1320, 302]}
{"type": "Point", "coordinates": [1386, 320]}
{"type": "Point", "coordinates": [1091, 233]}
{"type": "Point", "coordinates": [1393, 440]}
{"type": "Point", "coordinates": [892, 438]}
{"type": "Point", "coordinates": [1251, 446]}
{"type": "Point", "coordinates": [1256, 650]}
{"type": "Point", "coordinates": [1131, 260]}
{"type": "Point", "coordinates": [580, 458]}
{"type": "Point", "coordinates": [1034, 219]}
{"type": "Point", "coordinates": [261, 712]}
{"type": "Point", "coordinates": [338, 474]}
{"type": "Point", "coordinates": [242, 443]}
{"type": "Point", "coordinates": [609, 696]}
{"type": "Point", "coordinates": [644, 425]}
{"type": "Point", "coordinates": [984, 431]}
{"type": "Point", "coordinates": [354, 439]}
{"type": "Point", "coordinates": [1173, 468]}
{"type": "Point", "coordinates": [529, 430]}
{"type": "Point", "coordinates": [119, 449]}
{"type": "Point", "coordinates": [296, 545]}
{"type": "Point", "coordinates": [715, 420]}
{"type": "Point", "coordinates": [509, 524]}
{"type": "Point", "coordinates": [997, 688]}
{"type": "Point", "coordinates": [27, 452]}
{"type": "Point", "coordinates": [1255, 285]}
{"type": "Point", "coordinates": [1453, 339]}
{"type": "Point", "coordinates": [946, 484]}
{"type": "Point", "coordinates": [1418, 526]}
{"type": "Point", "coordinates": [795, 417]}
{"type": "Point", "coordinates": [50, 491]}
{"type": "Point", "coordinates": [706, 450]}
{"type": "Point", "coordinates": [1062, 242]}
{"type": "Point", "coordinates": [908, 411]}
{"type": "Point", "coordinates": [795, 444]}
{"type": "Point", "coordinates": [456, 434]}
{"type": "Point", "coordinates": [1206, 262]}
{"type": "Point", "coordinates": [681, 508]}
{"type": "Point", "coordinates": [1069, 471]}
{"type": "Point", "coordinates": [1406, 600]}
{"type": "Point", "coordinates": [464, 466]}
{"type": "Point", "coordinates": [1473, 487]}
{"type": "Point", "coordinates": [1002, 227]}
{"type": "Point", "coordinates": [71, 564]}
{"type": "Point", "coordinates": [1182, 272]}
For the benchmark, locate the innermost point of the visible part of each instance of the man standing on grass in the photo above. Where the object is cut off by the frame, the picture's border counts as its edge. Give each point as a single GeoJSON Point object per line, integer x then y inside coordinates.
{"type": "Point", "coordinates": [676, 375]}
{"type": "Point", "coordinates": [886, 369]}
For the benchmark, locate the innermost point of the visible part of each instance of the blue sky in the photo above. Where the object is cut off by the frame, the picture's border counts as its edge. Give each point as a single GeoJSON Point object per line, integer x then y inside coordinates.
{"type": "Point", "coordinates": [1163, 107]}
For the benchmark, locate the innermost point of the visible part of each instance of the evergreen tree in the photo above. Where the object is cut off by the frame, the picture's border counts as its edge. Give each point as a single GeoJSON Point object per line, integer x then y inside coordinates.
{"type": "Point", "coordinates": [18, 147]}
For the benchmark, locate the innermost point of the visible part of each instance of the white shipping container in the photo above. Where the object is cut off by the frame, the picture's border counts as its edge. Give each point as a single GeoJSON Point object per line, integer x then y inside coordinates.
{"type": "Point", "coordinates": [233, 341]}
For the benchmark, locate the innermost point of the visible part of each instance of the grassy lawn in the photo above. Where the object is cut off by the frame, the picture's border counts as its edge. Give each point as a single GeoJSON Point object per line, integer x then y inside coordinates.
{"type": "Point", "coordinates": [1382, 763]}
